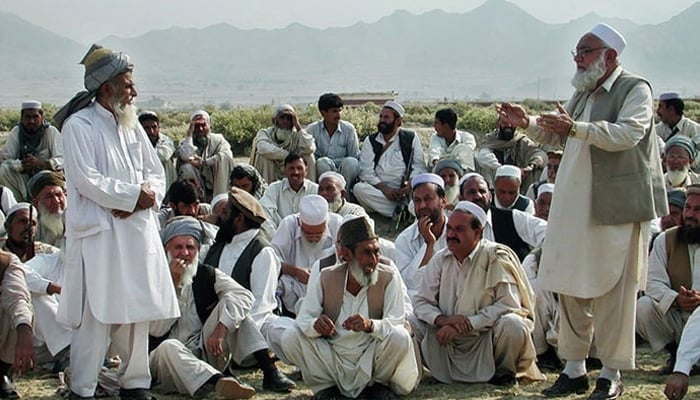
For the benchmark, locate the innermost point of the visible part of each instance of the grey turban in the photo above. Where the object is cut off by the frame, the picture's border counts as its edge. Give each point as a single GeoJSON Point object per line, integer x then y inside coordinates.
{"type": "Point", "coordinates": [180, 226]}
{"type": "Point", "coordinates": [101, 65]}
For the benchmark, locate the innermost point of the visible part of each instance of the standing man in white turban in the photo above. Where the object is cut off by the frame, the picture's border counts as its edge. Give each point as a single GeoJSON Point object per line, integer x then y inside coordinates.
{"type": "Point", "coordinates": [610, 174]}
{"type": "Point", "coordinates": [117, 275]}
{"type": "Point", "coordinates": [33, 145]}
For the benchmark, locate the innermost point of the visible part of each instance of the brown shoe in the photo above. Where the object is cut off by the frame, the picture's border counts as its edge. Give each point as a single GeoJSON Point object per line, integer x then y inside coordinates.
{"type": "Point", "coordinates": [229, 388]}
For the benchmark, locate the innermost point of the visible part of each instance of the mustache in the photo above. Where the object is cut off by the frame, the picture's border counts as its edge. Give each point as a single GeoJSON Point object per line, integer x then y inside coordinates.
{"type": "Point", "coordinates": [453, 239]}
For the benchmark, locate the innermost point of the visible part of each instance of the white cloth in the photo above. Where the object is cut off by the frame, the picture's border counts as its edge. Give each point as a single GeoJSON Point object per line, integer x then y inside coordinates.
{"type": "Point", "coordinates": [390, 168]}
{"type": "Point", "coordinates": [531, 229]}
{"type": "Point", "coordinates": [410, 249]}
{"type": "Point", "coordinates": [352, 360]}
{"type": "Point", "coordinates": [689, 348]}
{"type": "Point", "coordinates": [343, 143]}
{"type": "Point", "coordinates": [217, 163]}
{"type": "Point", "coordinates": [530, 208]}
{"type": "Point", "coordinates": [280, 200]}
{"type": "Point", "coordinates": [575, 239]}
{"type": "Point", "coordinates": [105, 167]}
{"type": "Point", "coordinates": [462, 149]}
{"type": "Point", "coordinates": [545, 332]}
{"type": "Point", "coordinates": [686, 127]}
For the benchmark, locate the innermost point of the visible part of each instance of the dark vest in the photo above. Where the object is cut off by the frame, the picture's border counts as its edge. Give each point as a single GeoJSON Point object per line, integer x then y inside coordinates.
{"type": "Point", "coordinates": [504, 232]}
{"type": "Point", "coordinates": [522, 203]}
{"type": "Point", "coordinates": [333, 286]}
{"type": "Point", "coordinates": [244, 265]}
{"type": "Point", "coordinates": [678, 261]}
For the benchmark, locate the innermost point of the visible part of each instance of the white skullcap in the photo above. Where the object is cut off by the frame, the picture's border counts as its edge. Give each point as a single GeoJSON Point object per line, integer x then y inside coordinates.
{"type": "Point", "coordinates": [200, 113]}
{"type": "Point", "coordinates": [472, 209]}
{"type": "Point", "coordinates": [610, 36]}
{"type": "Point", "coordinates": [340, 179]}
{"type": "Point", "coordinates": [427, 178]}
{"type": "Point", "coordinates": [22, 206]}
{"type": "Point", "coordinates": [545, 188]}
{"type": "Point", "coordinates": [284, 108]}
{"type": "Point", "coordinates": [31, 105]}
{"type": "Point", "coordinates": [469, 176]}
{"type": "Point", "coordinates": [313, 209]}
{"type": "Point", "coordinates": [669, 96]}
{"type": "Point", "coordinates": [218, 199]}
{"type": "Point", "coordinates": [510, 171]}
{"type": "Point", "coordinates": [395, 106]}
{"type": "Point", "coordinates": [350, 217]}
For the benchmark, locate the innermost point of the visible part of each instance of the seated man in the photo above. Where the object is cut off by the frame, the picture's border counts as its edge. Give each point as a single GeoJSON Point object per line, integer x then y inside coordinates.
{"type": "Point", "coordinates": [214, 328]}
{"type": "Point", "coordinates": [337, 145]}
{"type": "Point", "coordinates": [544, 200]}
{"type": "Point", "coordinates": [246, 177]}
{"type": "Point", "coordinates": [331, 186]}
{"type": "Point", "coordinates": [389, 159]}
{"type": "Point", "coordinates": [506, 146]}
{"type": "Point", "coordinates": [507, 190]}
{"type": "Point", "coordinates": [672, 287]}
{"type": "Point", "coordinates": [33, 145]}
{"type": "Point", "coordinates": [450, 172]}
{"type": "Point", "coordinates": [479, 307]}
{"type": "Point", "coordinates": [282, 197]}
{"type": "Point", "coordinates": [16, 349]}
{"type": "Point", "coordinates": [549, 173]}
{"type": "Point", "coordinates": [350, 336]}
{"type": "Point", "coordinates": [48, 191]}
{"type": "Point", "coordinates": [165, 148]}
{"type": "Point", "coordinates": [417, 244]}
{"type": "Point", "coordinates": [205, 156]}
{"type": "Point", "coordinates": [182, 200]}
{"type": "Point", "coordinates": [272, 145]}
{"type": "Point", "coordinates": [20, 226]}
{"type": "Point", "coordinates": [679, 157]}
{"type": "Point", "coordinates": [449, 143]}
{"type": "Point", "coordinates": [299, 242]}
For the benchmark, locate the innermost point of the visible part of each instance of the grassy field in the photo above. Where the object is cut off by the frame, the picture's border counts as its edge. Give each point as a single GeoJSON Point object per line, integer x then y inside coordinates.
{"type": "Point", "coordinates": [643, 383]}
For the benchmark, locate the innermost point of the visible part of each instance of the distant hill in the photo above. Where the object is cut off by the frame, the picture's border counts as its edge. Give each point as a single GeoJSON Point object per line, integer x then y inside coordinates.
{"type": "Point", "coordinates": [496, 51]}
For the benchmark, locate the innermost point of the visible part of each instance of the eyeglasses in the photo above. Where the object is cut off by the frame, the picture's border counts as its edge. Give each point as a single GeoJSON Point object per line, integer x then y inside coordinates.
{"type": "Point", "coordinates": [586, 51]}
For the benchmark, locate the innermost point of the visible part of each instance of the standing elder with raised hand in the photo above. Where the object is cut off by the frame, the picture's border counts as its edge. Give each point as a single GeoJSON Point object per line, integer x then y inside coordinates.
{"type": "Point", "coordinates": [117, 275]}
{"type": "Point", "coordinates": [610, 174]}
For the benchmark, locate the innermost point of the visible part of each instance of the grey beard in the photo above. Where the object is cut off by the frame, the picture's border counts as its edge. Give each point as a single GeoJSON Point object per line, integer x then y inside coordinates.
{"type": "Point", "coordinates": [675, 178]}
{"type": "Point", "coordinates": [587, 80]}
{"type": "Point", "coordinates": [364, 279]}
{"type": "Point", "coordinates": [125, 115]}
{"type": "Point", "coordinates": [51, 222]}
{"type": "Point", "coordinates": [451, 194]}
{"type": "Point", "coordinates": [189, 273]}
{"type": "Point", "coordinates": [335, 205]}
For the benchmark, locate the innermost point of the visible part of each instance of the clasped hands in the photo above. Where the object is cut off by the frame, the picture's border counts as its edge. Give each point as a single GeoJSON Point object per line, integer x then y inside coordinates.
{"type": "Point", "coordinates": [356, 323]}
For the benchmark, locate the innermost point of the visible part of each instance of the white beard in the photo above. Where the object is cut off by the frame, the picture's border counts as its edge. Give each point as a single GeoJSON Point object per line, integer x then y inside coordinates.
{"type": "Point", "coordinates": [335, 205]}
{"type": "Point", "coordinates": [451, 194]}
{"type": "Point", "coordinates": [51, 222]}
{"type": "Point", "coordinates": [126, 114]}
{"type": "Point", "coordinates": [587, 80]}
{"type": "Point", "coordinates": [676, 178]}
{"type": "Point", "coordinates": [364, 279]}
{"type": "Point", "coordinates": [189, 272]}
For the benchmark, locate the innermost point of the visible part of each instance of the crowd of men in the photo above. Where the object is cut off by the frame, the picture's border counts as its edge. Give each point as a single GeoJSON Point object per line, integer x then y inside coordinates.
{"type": "Point", "coordinates": [528, 252]}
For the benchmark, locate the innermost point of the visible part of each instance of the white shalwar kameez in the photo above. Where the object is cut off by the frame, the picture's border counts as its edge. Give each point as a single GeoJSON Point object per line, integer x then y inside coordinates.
{"type": "Point", "coordinates": [116, 275]}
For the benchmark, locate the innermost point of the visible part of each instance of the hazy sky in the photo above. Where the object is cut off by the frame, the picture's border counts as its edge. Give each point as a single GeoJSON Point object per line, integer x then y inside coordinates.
{"type": "Point", "coordinates": [91, 20]}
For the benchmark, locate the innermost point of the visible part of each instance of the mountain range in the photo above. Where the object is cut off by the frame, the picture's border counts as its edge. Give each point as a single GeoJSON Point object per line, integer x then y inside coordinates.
{"type": "Point", "coordinates": [496, 51]}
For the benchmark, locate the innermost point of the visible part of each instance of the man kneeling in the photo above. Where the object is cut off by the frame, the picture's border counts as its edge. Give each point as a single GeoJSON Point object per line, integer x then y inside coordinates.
{"type": "Point", "coordinates": [350, 336]}
{"type": "Point", "coordinates": [478, 306]}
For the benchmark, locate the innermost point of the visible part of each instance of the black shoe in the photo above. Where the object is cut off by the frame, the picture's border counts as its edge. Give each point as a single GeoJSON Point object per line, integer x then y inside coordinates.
{"type": "Point", "coordinates": [135, 394]}
{"type": "Point", "coordinates": [606, 389]}
{"type": "Point", "coordinates": [7, 388]}
{"type": "Point", "coordinates": [670, 363]}
{"type": "Point", "coordinates": [565, 386]}
{"type": "Point", "coordinates": [73, 396]}
{"type": "Point", "coordinates": [378, 392]}
{"type": "Point", "coordinates": [503, 380]}
{"type": "Point", "coordinates": [549, 361]}
{"type": "Point", "coordinates": [278, 382]}
{"type": "Point", "coordinates": [331, 393]}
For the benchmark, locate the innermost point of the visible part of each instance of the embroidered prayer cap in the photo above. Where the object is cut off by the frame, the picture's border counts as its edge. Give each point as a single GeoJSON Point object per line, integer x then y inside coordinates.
{"type": "Point", "coordinates": [284, 109]}
{"type": "Point", "coordinates": [449, 163]}
{"type": "Point", "coordinates": [102, 64]}
{"type": "Point", "coordinates": [473, 209]}
{"type": "Point", "coordinates": [683, 142]}
{"type": "Point", "coordinates": [22, 206]}
{"type": "Point", "coordinates": [394, 105]}
{"type": "Point", "coordinates": [31, 105]}
{"type": "Point", "coordinates": [339, 179]}
{"type": "Point", "coordinates": [676, 197]}
{"type": "Point", "coordinates": [545, 188]}
{"type": "Point", "coordinates": [180, 226]}
{"type": "Point", "coordinates": [356, 230]}
{"type": "Point", "coordinates": [148, 115]}
{"type": "Point", "coordinates": [313, 210]}
{"type": "Point", "coordinates": [248, 205]}
{"type": "Point", "coordinates": [198, 114]}
{"type": "Point", "coordinates": [469, 176]}
{"type": "Point", "coordinates": [45, 178]}
{"type": "Point", "coordinates": [669, 96]}
{"type": "Point", "coordinates": [427, 178]}
{"type": "Point", "coordinates": [510, 171]}
{"type": "Point", "coordinates": [610, 36]}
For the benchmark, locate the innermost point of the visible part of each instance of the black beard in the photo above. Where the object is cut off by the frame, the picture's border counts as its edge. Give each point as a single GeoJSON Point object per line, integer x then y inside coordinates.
{"type": "Point", "coordinates": [226, 231]}
{"type": "Point", "coordinates": [201, 141]}
{"type": "Point", "coordinates": [506, 133]}
{"type": "Point", "coordinates": [690, 234]}
{"type": "Point", "coordinates": [385, 127]}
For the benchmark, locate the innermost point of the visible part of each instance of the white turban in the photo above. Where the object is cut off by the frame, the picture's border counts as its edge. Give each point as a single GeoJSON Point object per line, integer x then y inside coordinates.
{"type": "Point", "coordinates": [473, 209]}
{"type": "Point", "coordinates": [427, 178]}
{"type": "Point", "coordinates": [31, 105]}
{"type": "Point", "coordinates": [510, 171]}
{"type": "Point", "coordinates": [313, 210]}
{"type": "Point", "coordinates": [395, 106]}
{"type": "Point", "coordinates": [545, 188]}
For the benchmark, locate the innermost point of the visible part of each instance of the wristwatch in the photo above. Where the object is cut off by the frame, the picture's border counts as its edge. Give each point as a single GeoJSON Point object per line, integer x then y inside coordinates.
{"type": "Point", "coordinates": [572, 131]}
